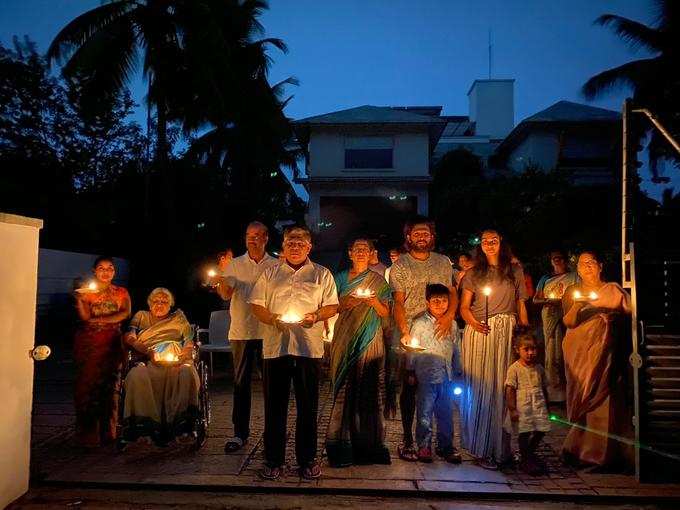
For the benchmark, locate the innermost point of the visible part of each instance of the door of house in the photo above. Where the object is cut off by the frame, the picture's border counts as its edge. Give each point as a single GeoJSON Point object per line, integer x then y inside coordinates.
{"type": "Point", "coordinates": [18, 281]}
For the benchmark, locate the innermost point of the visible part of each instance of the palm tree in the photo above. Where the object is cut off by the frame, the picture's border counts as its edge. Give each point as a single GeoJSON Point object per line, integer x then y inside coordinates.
{"type": "Point", "coordinates": [197, 55]}
{"type": "Point", "coordinates": [654, 80]}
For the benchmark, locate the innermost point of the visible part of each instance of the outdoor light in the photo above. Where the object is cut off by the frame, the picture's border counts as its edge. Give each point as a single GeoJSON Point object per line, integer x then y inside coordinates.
{"type": "Point", "coordinates": [40, 352]}
{"type": "Point", "coordinates": [457, 391]}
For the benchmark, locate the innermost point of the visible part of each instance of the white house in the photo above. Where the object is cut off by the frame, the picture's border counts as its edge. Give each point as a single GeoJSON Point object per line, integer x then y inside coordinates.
{"type": "Point", "coordinates": [368, 168]}
{"type": "Point", "coordinates": [579, 139]}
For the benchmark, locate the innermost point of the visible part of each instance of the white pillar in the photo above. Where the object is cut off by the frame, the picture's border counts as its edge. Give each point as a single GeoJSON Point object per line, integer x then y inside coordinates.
{"type": "Point", "coordinates": [19, 277]}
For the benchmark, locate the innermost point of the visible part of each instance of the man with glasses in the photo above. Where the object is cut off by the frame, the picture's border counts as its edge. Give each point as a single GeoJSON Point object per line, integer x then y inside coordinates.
{"type": "Point", "coordinates": [409, 277]}
{"type": "Point", "coordinates": [245, 333]}
{"type": "Point", "coordinates": [292, 299]}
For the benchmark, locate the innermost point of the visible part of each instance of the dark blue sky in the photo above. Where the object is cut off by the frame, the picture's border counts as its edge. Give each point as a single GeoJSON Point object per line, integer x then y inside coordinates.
{"type": "Point", "coordinates": [405, 52]}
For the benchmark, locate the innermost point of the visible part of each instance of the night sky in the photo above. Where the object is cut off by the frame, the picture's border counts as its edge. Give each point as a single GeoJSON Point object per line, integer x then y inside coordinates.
{"type": "Point", "coordinates": [348, 53]}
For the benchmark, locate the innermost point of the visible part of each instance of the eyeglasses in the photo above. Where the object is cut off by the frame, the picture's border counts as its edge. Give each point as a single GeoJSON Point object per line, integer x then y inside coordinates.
{"type": "Point", "coordinates": [296, 244]}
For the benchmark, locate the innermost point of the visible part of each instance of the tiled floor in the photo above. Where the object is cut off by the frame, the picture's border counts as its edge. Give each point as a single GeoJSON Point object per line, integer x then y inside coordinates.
{"type": "Point", "coordinates": [57, 459]}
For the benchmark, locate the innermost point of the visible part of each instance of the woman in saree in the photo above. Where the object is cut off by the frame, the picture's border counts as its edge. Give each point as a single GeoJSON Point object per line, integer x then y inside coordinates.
{"type": "Point", "coordinates": [595, 363]}
{"type": "Point", "coordinates": [487, 346]}
{"type": "Point", "coordinates": [549, 293]}
{"type": "Point", "coordinates": [161, 395]}
{"type": "Point", "coordinates": [356, 431]}
{"type": "Point", "coordinates": [97, 351]}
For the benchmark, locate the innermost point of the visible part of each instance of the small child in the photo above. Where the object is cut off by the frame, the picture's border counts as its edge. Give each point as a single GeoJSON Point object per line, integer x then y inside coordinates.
{"type": "Point", "coordinates": [432, 369]}
{"type": "Point", "coordinates": [526, 397]}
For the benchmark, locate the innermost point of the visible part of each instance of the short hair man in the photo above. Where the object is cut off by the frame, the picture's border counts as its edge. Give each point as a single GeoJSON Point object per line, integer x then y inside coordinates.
{"type": "Point", "coordinates": [409, 278]}
{"type": "Point", "coordinates": [245, 333]}
{"type": "Point", "coordinates": [293, 350]}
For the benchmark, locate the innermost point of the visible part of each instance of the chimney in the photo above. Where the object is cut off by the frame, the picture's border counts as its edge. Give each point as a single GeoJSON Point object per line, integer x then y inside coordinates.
{"type": "Point", "coordinates": [492, 107]}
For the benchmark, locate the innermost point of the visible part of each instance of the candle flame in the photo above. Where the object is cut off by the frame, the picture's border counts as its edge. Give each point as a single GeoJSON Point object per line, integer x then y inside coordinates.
{"type": "Point", "coordinates": [486, 291]}
{"type": "Point", "coordinates": [552, 295]}
{"type": "Point", "coordinates": [363, 293]}
{"type": "Point", "coordinates": [169, 356]}
{"type": "Point", "coordinates": [212, 273]}
{"type": "Point", "coordinates": [291, 318]}
{"type": "Point", "coordinates": [92, 286]}
{"type": "Point", "coordinates": [414, 342]}
{"type": "Point", "coordinates": [592, 295]}
{"type": "Point", "coordinates": [577, 294]}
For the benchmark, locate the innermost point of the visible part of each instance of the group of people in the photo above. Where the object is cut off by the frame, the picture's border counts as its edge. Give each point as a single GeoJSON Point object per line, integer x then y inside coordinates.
{"type": "Point", "coordinates": [397, 331]}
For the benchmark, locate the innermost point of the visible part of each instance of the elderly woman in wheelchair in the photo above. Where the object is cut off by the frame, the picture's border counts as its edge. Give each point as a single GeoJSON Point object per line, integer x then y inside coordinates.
{"type": "Point", "coordinates": [161, 389]}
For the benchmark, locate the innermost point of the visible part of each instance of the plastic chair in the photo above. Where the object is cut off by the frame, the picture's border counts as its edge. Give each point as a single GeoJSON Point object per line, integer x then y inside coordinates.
{"type": "Point", "coordinates": [217, 332]}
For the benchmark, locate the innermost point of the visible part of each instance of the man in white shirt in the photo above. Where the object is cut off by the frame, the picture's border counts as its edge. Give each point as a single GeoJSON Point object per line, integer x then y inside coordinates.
{"type": "Point", "coordinates": [295, 289]}
{"type": "Point", "coordinates": [245, 333]}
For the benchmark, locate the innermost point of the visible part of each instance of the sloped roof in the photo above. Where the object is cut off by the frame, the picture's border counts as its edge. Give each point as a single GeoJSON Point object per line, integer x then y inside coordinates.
{"type": "Point", "coordinates": [567, 111]}
{"type": "Point", "coordinates": [368, 114]}
{"type": "Point", "coordinates": [561, 113]}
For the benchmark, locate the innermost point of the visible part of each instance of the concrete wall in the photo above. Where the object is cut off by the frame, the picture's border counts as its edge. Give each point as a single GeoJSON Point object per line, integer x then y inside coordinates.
{"type": "Point", "coordinates": [327, 155]}
{"type": "Point", "coordinates": [539, 148]}
{"type": "Point", "coordinates": [492, 107]}
{"type": "Point", "coordinates": [18, 274]}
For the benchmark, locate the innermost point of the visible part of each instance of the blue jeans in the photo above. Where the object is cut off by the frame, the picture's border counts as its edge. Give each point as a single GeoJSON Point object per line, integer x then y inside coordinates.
{"type": "Point", "coordinates": [434, 401]}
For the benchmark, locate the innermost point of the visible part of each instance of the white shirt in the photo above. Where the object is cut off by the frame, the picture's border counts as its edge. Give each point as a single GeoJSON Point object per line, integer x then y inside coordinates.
{"type": "Point", "coordinates": [281, 289]}
{"type": "Point", "coordinates": [241, 274]}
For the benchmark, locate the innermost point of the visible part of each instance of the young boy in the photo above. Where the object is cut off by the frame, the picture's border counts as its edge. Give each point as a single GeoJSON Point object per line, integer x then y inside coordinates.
{"type": "Point", "coordinates": [431, 368]}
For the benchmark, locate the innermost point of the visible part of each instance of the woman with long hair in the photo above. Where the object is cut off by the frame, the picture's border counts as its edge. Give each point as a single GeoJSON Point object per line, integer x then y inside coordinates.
{"type": "Point", "coordinates": [492, 303]}
{"type": "Point", "coordinates": [595, 362]}
{"type": "Point", "coordinates": [98, 354]}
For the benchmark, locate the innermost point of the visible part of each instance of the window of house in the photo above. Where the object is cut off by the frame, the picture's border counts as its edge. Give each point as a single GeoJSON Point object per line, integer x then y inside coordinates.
{"type": "Point", "coordinates": [369, 152]}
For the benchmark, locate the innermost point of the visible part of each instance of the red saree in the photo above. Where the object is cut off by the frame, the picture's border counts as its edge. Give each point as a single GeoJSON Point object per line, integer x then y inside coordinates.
{"type": "Point", "coordinates": [98, 355]}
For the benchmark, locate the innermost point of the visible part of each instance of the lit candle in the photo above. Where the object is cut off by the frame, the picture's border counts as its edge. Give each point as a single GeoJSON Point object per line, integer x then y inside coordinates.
{"type": "Point", "coordinates": [592, 296]}
{"type": "Point", "coordinates": [169, 357]}
{"type": "Point", "coordinates": [487, 292]}
{"type": "Point", "coordinates": [212, 273]}
{"type": "Point", "coordinates": [92, 286]}
{"type": "Point", "coordinates": [552, 296]}
{"type": "Point", "coordinates": [577, 294]}
{"type": "Point", "coordinates": [363, 293]}
{"type": "Point", "coordinates": [290, 318]}
{"type": "Point", "coordinates": [414, 342]}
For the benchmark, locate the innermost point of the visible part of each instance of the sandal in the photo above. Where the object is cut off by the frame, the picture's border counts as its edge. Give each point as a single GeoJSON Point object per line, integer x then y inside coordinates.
{"type": "Point", "coordinates": [425, 455]}
{"type": "Point", "coordinates": [270, 473]}
{"type": "Point", "coordinates": [311, 471]}
{"type": "Point", "coordinates": [234, 444]}
{"type": "Point", "coordinates": [407, 453]}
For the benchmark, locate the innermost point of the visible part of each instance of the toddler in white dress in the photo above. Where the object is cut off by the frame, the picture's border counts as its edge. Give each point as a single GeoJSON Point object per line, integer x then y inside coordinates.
{"type": "Point", "coordinates": [526, 402]}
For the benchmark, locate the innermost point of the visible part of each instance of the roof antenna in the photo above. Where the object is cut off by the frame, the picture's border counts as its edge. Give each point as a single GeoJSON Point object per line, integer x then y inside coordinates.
{"type": "Point", "coordinates": [490, 61]}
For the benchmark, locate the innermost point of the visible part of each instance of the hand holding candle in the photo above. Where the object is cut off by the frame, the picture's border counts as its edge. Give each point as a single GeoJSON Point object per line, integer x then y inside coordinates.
{"type": "Point", "coordinates": [290, 318]}
{"type": "Point", "coordinates": [363, 293]}
{"type": "Point", "coordinates": [487, 292]}
{"type": "Point", "coordinates": [90, 288]}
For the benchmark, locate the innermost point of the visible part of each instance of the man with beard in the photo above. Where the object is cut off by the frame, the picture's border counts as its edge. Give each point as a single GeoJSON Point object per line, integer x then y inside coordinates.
{"type": "Point", "coordinates": [409, 277]}
{"type": "Point", "coordinates": [245, 333]}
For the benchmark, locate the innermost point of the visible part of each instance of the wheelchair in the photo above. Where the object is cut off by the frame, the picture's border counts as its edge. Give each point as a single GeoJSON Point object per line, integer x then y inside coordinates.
{"type": "Point", "coordinates": [202, 420]}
